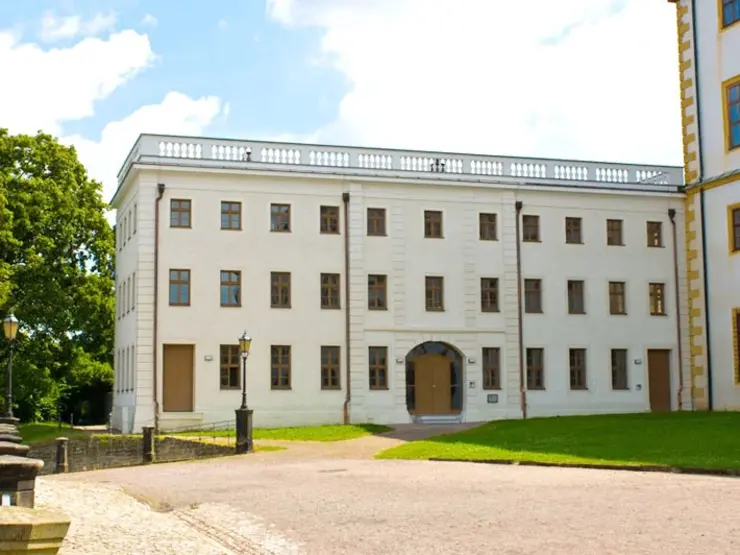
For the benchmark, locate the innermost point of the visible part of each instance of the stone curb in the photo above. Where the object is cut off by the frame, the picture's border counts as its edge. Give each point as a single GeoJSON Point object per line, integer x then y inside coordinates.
{"type": "Point", "coordinates": [733, 472]}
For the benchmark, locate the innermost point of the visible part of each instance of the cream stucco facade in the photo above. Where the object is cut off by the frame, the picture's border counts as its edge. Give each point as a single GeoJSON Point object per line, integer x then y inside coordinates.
{"type": "Point", "coordinates": [207, 172]}
{"type": "Point", "coordinates": [708, 41]}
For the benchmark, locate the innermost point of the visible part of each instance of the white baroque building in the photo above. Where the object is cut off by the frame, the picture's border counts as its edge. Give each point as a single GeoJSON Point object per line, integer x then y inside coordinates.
{"type": "Point", "coordinates": [709, 65]}
{"type": "Point", "coordinates": [393, 286]}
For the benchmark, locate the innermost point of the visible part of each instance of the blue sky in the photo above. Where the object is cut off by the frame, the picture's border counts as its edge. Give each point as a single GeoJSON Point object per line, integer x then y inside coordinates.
{"type": "Point", "coordinates": [482, 77]}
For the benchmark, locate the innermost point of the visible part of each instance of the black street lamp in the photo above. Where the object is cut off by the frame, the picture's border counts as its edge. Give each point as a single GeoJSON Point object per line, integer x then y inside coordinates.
{"type": "Point", "coordinates": [10, 329]}
{"type": "Point", "coordinates": [244, 414]}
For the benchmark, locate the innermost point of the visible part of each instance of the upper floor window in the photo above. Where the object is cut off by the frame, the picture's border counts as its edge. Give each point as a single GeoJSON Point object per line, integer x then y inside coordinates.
{"type": "Point", "coordinates": [657, 299]}
{"type": "Point", "coordinates": [489, 294]}
{"type": "Point", "coordinates": [617, 297]}
{"type": "Point", "coordinates": [433, 224]}
{"type": "Point", "coordinates": [330, 367]}
{"type": "Point", "coordinates": [280, 217]}
{"type": "Point", "coordinates": [491, 368]}
{"type": "Point", "coordinates": [434, 286]}
{"type": "Point", "coordinates": [280, 289]}
{"type": "Point", "coordinates": [231, 285]}
{"type": "Point", "coordinates": [535, 368]}
{"type": "Point", "coordinates": [732, 112]}
{"type": "Point", "coordinates": [130, 224]}
{"type": "Point", "coordinates": [377, 292]}
{"type": "Point", "coordinates": [180, 213]}
{"type": "Point", "coordinates": [730, 12]}
{"type": "Point", "coordinates": [179, 287]}
{"type": "Point", "coordinates": [136, 218]}
{"type": "Point", "coordinates": [573, 231]}
{"type": "Point", "coordinates": [734, 227]}
{"type": "Point", "coordinates": [231, 215]}
{"type": "Point", "coordinates": [530, 229]}
{"type": "Point", "coordinates": [378, 367]}
{"type": "Point", "coordinates": [376, 221]}
{"type": "Point", "coordinates": [576, 297]}
{"type": "Point", "coordinates": [329, 219]}
{"type": "Point", "coordinates": [487, 227]}
{"type": "Point", "coordinates": [654, 234]}
{"type": "Point", "coordinates": [533, 296]}
{"type": "Point", "coordinates": [614, 233]}
{"type": "Point", "coordinates": [229, 367]}
{"type": "Point", "coordinates": [280, 366]}
{"type": "Point", "coordinates": [330, 291]}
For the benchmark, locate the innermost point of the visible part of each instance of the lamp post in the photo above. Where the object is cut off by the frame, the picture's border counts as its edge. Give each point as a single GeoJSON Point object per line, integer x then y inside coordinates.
{"type": "Point", "coordinates": [10, 329]}
{"type": "Point", "coordinates": [244, 414]}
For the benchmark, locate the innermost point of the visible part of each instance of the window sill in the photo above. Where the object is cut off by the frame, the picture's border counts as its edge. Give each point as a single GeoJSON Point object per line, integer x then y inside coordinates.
{"type": "Point", "coordinates": [378, 308]}
{"type": "Point", "coordinates": [534, 312]}
{"type": "Point", "coordinates": [621, 389]}
{"type": "Point", "coordinates": [337, 388]}
{"type": "Point", "coordinates": [180, 304]}
{"type": "Point", "coordinates": [490, 311]}
{"type": "Point", "coordinates": [231, 229]}
{"type": "Point", "coordinates": [580, 313]}
{"type": "Point", "coordinates": [280, 231]}
{"type": "Point", "coordinates": [435, 309]}
{"type": "Point", "coordinates": [379, 389]}
{"type": "Point", "coordinates": [329, 233]}
{"type": "Point", "coordinates": [377, 235]}
{"type": "Point", "coordinates": [231, 306]}
{"type": "Point", "coordinates": [617, 314]}
{"type": "Point", "coordinates": [579, 389]}
{"type": "Point", "coordinates": [658, 314]}
{"type": "Point", "coordinates": [235, 388]}
{"type": "Point", "coordinates": [535, 389]}
{"type": "Point", "coordinates": [331, 308]}
{"type": "Point", "coordinates": [280, 307]}
{"type": "Point", "coordinates": [531, 240]}
{"type": "Point", "coordinates": [493, 240]}
{"type": "Point", "coordinates": [656, 246]}
{"type": "Point", "coordinates": [280, 388]}
{"type": "Point", "coordinates": [574, 243]}
{"type": "Point", "coordinates": [615, 244]}
{"type": "Point", "coordinates": [492, 388]}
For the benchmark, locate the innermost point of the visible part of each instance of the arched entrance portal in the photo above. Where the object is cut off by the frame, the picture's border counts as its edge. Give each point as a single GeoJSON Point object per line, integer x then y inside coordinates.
{"type": "Point", "coordinates": [434, 379]}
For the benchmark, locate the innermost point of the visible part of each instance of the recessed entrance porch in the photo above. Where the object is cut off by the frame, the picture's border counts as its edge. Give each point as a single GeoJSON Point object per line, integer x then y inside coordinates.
{"type": "Point", "coordinates": [434, 380]}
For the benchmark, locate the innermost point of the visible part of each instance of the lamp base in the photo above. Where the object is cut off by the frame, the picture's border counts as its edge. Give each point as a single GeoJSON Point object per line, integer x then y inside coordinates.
{"type": "Point", "coordinates": [244, 431]}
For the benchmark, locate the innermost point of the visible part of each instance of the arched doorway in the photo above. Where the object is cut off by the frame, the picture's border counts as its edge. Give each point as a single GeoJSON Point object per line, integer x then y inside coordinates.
{"type": "Point", "coordinates": [434, 379]}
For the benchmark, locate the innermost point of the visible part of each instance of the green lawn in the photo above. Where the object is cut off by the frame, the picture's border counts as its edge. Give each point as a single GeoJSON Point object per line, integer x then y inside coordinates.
{"type": "Point", "coordinates": [685, 440]}
{"type": "Point", "coordinates": [40, 432]}
{"type": "Point", "coordinates": [307, 433]}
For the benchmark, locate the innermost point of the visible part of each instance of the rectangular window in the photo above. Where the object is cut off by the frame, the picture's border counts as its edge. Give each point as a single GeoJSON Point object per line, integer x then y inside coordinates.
{"type": "Point", "coordinates": [657, 299]}
{"type": "Point", "coordinates": [330, 291]}
{"type": "Point", "coordinates": [133, 291]}
{"type": "Point", "coordinates": [732, 113]}
{"type": "Point", "coordinates": [619, 369]}
{"type": "Point", "coordinates": [617, 298]}
{"type": "Point", "coordinates": [231, 215]}
{"type": "Point", "coordinates": [280, 367]}
{"type": "Point", "coordinates": [329, 367]}
{"type": "Point", "coordinates": [730, 12]}
{"type": "Point", "coordinates": [231, 288]}
{"type": "Point", "coordinates": [179, 287]}
{"type": "Point", "coordinates": [433, 224]}
{"type": "Point", "coordinates": [376, 222]}
{"type": "Point", "coordinates": [329, 219]}
{"type": "Point", "coordinates": [530, 229]}
{"type": "Point", "coordinates": [130, 295]}
{"type": "Point", "coordinates": [434, 287]}
{"type": "Point", "coordinates": [576, 297]}
{"type": "Point", "coordinates": [491, 368]}
{"type": "Point", "coordinates": [487, 227]}
{"type": "Point", "coordinates": [489, 294]}
{"type": "Point", "coordinates": [136, 218]}
{"type": "Point", "coordinates": [130, 224]}
{"type": "Point", "coordinates": [573, 232]}
{"type": "Point", "coordinates": [180, 213]}
{"type": "Point", "coordinates": [578, 369]}
{"type": "Point", "coordinates": [535, 368]}
{"type": "Point", "coordinates": [733, 215]}
{"type": "Point", "coordinates": [533, 296]}
{"type": "Point", "coordinates": [280, 218]}
{"type": "Point", "coordinates": [655, 234]}
{"type": "Point", "coordinates": [280, 289]}
{"type": "Point", "coordinates": [614, 233]}
{"type": "Point", "coordinates": [230, 359]}
{"type": "Point", "coordinates": [377, 292]}
{"type": "Point", "coordinates": [125, 229]}
{"type": "Point", "coordinates": [378, 367]}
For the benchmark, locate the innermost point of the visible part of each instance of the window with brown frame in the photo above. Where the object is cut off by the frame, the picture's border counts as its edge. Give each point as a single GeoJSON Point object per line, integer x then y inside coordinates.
{"type": "Point", "coordinates": [230, 359]}
{"type": "Point", "coordinates": [330, 291]}
{"type": "Point", "coordinates": [489, 294]}
{"type": "Point", "coordinates": [280, 218]}
{"type": "Point", "coordinates": [125, 227]}
{"type": "Point", "coordinates": [329, 219]}
{"type": "Point", "coordinates": [732, 94]}
{"type": "Point", "coordinates": [535, 368]}
{"type": "Point", "coordinates": [330, 367]}
{"type": "Point", "coordinates": [735, 214]}
{"type": "Point", "coordinates": [578, 369]}
{"type": "Point", "coordinates": [179, 287]}
{"type": "Point", "coordinates": [133, 291]}
{"type": "Point", "coordinates": [487, 227]}
{"type": "Point", "coordinates": [136, 218]}
{"type": "Point", "coordinates": [614, 233]}
{"type": "Point", "coordinates": [530, 229]}
{"type": "Point", "coordinates": [231, 288]}
{"type": "Point", "coordinates": [280, 371]}
{"type": "Point", "coordinates": [280, 289]}
{"type": "Point", "coordinates": [617, 297]}
{"type": "Point", "coordinates": [654, 234]}
{"type": "Point", "coordinates": [573, 231]}
{"type": "Point", "coordinates": [576, 297]}
{"type": "Point", "coordinates": [377, 292]}
{"type": "Point", "coordinates": [378, 367]}
{"type": "Point", "coordinates": [533, 296]}
{"type": "Point", "coordinates": [731, 15]}
{"type": "Point", "coordinates": [433, 224]}
{"type": "Point", "coordinates": [376, 222]}
{"type": "Point", "coordinates": [491, 368]}
{"type": "Point", "coordinates": [130, 224]}
{"type": "Point", "coordinates": [657, 299]}
{"type": "Point", "coordinates": [619, 369]}
{"type": "Point", "coordinates": [435, 295]}
{"type": "Point", "coordinates": [231, 215]}
{"type": "Point", "coordinates": [180, 212]}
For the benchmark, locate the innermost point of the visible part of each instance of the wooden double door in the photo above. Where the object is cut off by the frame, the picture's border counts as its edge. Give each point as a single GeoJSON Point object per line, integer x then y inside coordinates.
{"type": "Point", "coordinates": [433, 385]}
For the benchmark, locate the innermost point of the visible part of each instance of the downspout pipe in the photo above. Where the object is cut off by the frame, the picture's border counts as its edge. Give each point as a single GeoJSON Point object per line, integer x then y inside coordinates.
{"type": "Point", "coordinates": [704, 264]}
{"type": "Point", "coordinates": [522, 389]}
{"type": "Point", "coordinates": [679, 342]}
{"type": "Point", "coordinates": [155, 384]}
{"type": "Point", "coordinates": [348, 383]}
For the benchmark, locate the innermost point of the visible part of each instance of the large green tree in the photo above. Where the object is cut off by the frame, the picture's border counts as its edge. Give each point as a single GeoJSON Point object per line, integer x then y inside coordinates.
{"type": "Point", "coordinates": [56, 275]}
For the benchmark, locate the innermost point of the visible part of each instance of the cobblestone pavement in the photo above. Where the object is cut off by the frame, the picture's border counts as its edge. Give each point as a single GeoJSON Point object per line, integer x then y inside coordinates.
{"type": "Point", "coordinates": [337, 504]}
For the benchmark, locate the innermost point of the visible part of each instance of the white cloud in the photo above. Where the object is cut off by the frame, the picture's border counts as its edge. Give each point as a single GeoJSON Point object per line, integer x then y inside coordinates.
{"type": "Point", "coordinates": [223, 24]}
{"type": "Point", "coordinates": [149, 20]}
{"type": "Point", "coordinates": [55, 28]}
{"type": "Point", "coordinates": [581, 78]}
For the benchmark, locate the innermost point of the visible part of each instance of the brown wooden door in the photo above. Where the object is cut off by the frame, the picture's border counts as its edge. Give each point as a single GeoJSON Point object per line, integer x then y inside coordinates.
{"type": "Point", "coordinates": [441, 388]}
{"type": "Point", "coordinates": [177, 383]}
{"type": "Point", "coordinates": [659, 379]}
{"type": "Point", "coordinates": [432, 379]}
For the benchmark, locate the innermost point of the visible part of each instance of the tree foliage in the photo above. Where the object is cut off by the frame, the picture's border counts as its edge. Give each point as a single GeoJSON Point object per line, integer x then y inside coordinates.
{"type": "Point", "coordinates": [56, 275]}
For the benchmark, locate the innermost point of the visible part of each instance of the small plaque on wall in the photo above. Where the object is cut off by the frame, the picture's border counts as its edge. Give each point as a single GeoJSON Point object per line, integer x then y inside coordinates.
{"type": "Point", "coordinates": [492, 398]}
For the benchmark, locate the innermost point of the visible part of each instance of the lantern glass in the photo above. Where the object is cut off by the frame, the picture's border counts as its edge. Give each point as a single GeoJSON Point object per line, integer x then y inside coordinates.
{"type": "Point", "coordinates": [244, 343]}
{"type": "Point", "coordinates": [10, 326]}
